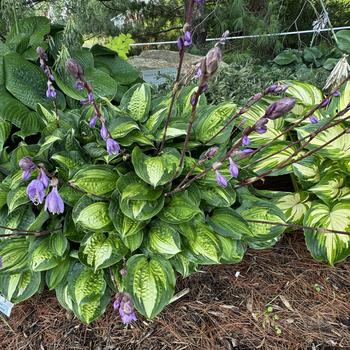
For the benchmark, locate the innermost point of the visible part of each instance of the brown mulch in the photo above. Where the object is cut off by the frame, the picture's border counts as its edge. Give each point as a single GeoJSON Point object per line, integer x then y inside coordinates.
{"type": "Point", "coordinates": [282, 299]}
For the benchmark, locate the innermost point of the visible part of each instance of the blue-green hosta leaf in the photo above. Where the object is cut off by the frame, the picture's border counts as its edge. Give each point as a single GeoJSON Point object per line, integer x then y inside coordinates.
{"type": "Point", "coordinates": [232, 250]}
{"type": "Point", "coordinates": [158, 170]}
{"type": "Point", "coordinates": [14, 254]}
{"type": "Point", "coordinates": [228, 223]}
{"type": "Point", "coordinates": [181, 208]}
{"type": "Point", "coordinates": [98, 251]}
{"type": "Point", "coordinates": [95, 179]}
{"type": "Point", "coordinates": [4, 190]}
{"type": "Point", "coordinates": [331, 187]}
{"type": "Point", "coordinates": [307, 170]}
{"type": "Point", "coordinates": [211, 120]}
{"type": "Point", "coordinates": [337, 150]}
{"type": "Point", "coordinates": [42, 257]}
{"type": "Point", "coordinates": [294, 206]}
{"type": "Point", "coordinates": [274, 160]}
{"type": "Point", "coordinates": [330, 247]}
{"type": "Point", "coordinates": [21, 286]}
{"type": "Point", "coordinates": [150, 282]}
{"type": "Point", "coordinates": [137, 100]}
{"type": "Point", "coordinates": [263, 235]}
{"type": "Point", "coordinates": [285, 57]}
{"type": "Point", "coordinates": [164, 239]}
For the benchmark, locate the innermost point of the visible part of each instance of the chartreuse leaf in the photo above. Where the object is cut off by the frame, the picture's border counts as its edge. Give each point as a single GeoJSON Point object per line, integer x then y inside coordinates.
{"type": "Point", "coordinates": [332, 186]}
{"type": "Point", "coordinates": [212, 120]}
{"type": "Point", "coordinates": [98, 251]}
{"type": "Point", "coordinates": [306, 94]}
{"type": "Point", "coordinates": [87, 292]}
{"type": "Point", "coordinates": [137, 100]}
{"type": "Point", "coordinates": [14, 254]}
{"type": "Point", "coordinates": [326, 246]}
{"type": "Point", "coordinates": [263, 235]}
{"type": "Point", "coordinates": [20, 286]}
{"type": "Point", "coordinates": [95, 179]}
{"type": "Point", "coordinates": [228, 223]}
{"type": "Point", "coordinates": [42, 257]}
{"type": "Point", "coordinates": [156, 170]}
{"type": "Point", "coordinates": [181, 208]}
{"type": "Point", "coordinates": [164, 239]}
{"type": "Point", "coordinates": [294, 206]}
{"type": "Point", "coordinates": [150, 282]}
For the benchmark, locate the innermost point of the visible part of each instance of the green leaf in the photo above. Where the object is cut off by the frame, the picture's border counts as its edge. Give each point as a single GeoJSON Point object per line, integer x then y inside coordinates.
{"type": "Point", "coordinates": [228, 223]}
{"type": "Point", "coordinates": [42, 257]}
{"type": "Point", "coordinates": [16, 198]}
{"type": "Point", "coordinates": [305, 93]}
{"type": "Point", "coordinates": [58, 274]}
{"type": "Point", "coordinates": [217, 196]}
{"type": "Point", "coordinates": [183, 264]}
{"type": "Point", "coordinates": [156, 170]}
{"type": "Point", "coordinates": [122, 126]}
{"type": "Point", "coordinates": [5, 130]}
{"type": "Point", "coordinates": [164, 239]}
{"type": "Point", "coordinates": [150, 282]}
{"type": "Point", "coordinates": [326, 246]}
{"type": "Point", "coordinates": [14, 254]}
{"type": "Point", "coordinates": [95, 179]}
{"type": "Point", "coordinates": [134, 241]}
{"type": "Point", "coordinates": [343, 40]}
{"type": "Point", "coordinates": [285, 58]}
{"type": "Point", "coordinates": [58, 243]}
{"type": "Point", "coordinates": [307, 170]}
{"type": "Point", "coordinates": [232, 250]}
{"type": "Point", "coordinates": [137, 100]}
{"type": "Point", "coordinates": [21, 218]}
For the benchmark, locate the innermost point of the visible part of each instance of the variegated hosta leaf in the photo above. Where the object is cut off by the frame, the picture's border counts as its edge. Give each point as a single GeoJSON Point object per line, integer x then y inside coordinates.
{"type": "Point", "coordinates": [339, 103]}
{"type": "Point", "coordinates": [42, 257]}
{"type": "Point", "coordinates": [232, 250]}
{"type": "Point", "coordinates": [158, 170]}
{"type": "Point", "coordinates": [58, 274]}
{"type": "Point", "coordinates": [336, 150]}
{"type": "Point", "coordinates": [14, 255]}
{"type": "Point", "coordinates": [307, 170]}
{"type": "Point", "coordinates": [122, 126]}
{"type": "Point", "coordinates": [183, 264]}
{"type": "Point", "coordinates": [164, 239]}
{"type": "Point", "coordinates": [211, 120]}
{"type": "Point", "coordinates": [271, 162]}
{"type": "Point", "coordinates": [294, 206]}
{"type": "Point", "coordinates": [263, 235]}
{"type": "Point", "coordinates": [331, 187]}
{"type": "Point", "coordinates": [184, 102]}
{"type": "Point", "coordinates": [150, 282]}
{"type": "Point", "coordinates": [330, 247]}
{"type": "Point", "coordinates": [215, 195]}
{"type": "Point", "coordinates": [134, 241]}
{"type": "Point", "coordinates": [306, 94]}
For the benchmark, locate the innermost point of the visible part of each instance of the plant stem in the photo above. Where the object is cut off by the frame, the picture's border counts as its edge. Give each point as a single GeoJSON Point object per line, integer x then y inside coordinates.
{"type": "Point", "coordinates": [19, 232]}
{"type": "Point", "coordinates": [299, 227]}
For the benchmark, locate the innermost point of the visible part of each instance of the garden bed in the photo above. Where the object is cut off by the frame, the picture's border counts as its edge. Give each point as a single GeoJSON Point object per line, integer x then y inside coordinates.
{"type": "Point", "coordinates": [282, 299]}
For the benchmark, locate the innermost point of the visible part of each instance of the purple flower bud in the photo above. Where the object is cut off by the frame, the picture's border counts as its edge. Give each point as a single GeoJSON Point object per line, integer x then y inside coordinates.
{"type": "Point", "coordinates": [220, 179]}
{"type": "Point", "coordinates": [91, 97]}
{"type": "Point", "coordinates": [211, 152]}
{"type": "Point", "coordinates": [245, 152]}
{"type": "Point", "coordinates": [245, 140]}
{"type": "Point", "coordinates": [180, 43]}
{"type": "Point", "coordinates": [198, 73]}
{"type": "Point", "coordinates": [28, 166]}
{"type": "Point", "coordinates": [54, 203]}
{"type": "Point", "coordinates": [271, 89]}
{"type": "Point", "coordinates": [36, 192]}
{"type": "Point", "coordinates": [187, 38]}
{"type": "Point", "coordinates": [212, 60]}
{"type": "Point", "coordinates": [193, 99]}
{"type": "Point", "coordinates": [79, 85]}
{"type": "Point", "coordinates": [104, 132]}
{"type": "Point", "coordinates": [205, 87]}
{"type": "Point", "coordinates": [123, 272]}
{"type": "Point", "coordinates": [50, 92]}
{"type": "Point", "coordinates": [277, 109]}
{"type": "Point", "coordinates": [336, 93]}
{"type": "Point", "coordinates": [43, 177]}
{"type": "Point", "coordinates": [223, 38]}
{"type": "Point", "coordinates": [200, 2]}
{"type": "Point", "coordinates": [124, 305]}
{"type": "Point", "coordinates": [313, 119]}
{"type": "Point", "coordinates": [40, 51]}
{"type": "Point", "coordinates": [74, 68]}
{"type": "Point", "coordinates": [325, 103]}
{"type": "Point", "coordinates": [255, 98]}
{"type": "Point", "coordinates": [113, 146]}
{"type": "Point", "coordinates": [260, 125]}
{"type": "Point", "coordinates": [93, 121]}
{"type": "Point", "coordinates": [233, 168]}
{"type": "Point", "coordinates": [281, 88]}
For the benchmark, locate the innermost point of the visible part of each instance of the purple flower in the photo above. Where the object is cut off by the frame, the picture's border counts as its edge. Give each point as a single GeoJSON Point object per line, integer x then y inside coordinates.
{"type": "Point", "coordinates": [187, 38]}
{"type": "Point", "coordinates": [245, 152]}
{"type": "Point", "coordinates": [325, 103]}
{"type": "Point", "coordinates": [198, 73]}
{"type": "Point", "coordinates": [79, 85]}
{"type": "Point", "coordinates": [123, 272]}
{"type": "Point", "coordinates": [28, 166]}
{"type": "Point", "coordinates": [245, 140]}
{"type": "Point", "coordinates": [233, 168]}
{"type": "Point", "coordinates": [124, 305]}
{"type": "Point", "coordinates": [260, 125]}
{"type": "Point", "coordinates": [313, 119]}
{"type": "Point", "coordinates": [91, 97]}
{"type": "Point", "coordinates": [93, 121]}
{"type": "Point", "coordinates": [104, 132]}
{"type": "Point", "coordinates": [200, 2]}
{"type": "Point", "coordinates": [43, 177]}
{"type": "Point", "coordinates": [74, 68]}
{"type": "Point", "coordinates": [112, 146]}
{"type": "Point", "coordinates": [277, 109]}
{"type": "Point", "coordinates": [50, 92]}
{"type": "Point", "coordinates": [54, 203]}
{"type": "Point", "coordinates": [336, 93]}
{"type": "Point", "coordinates": [180, 43]}
{"type": "Point", "coordinates": [220, 179]}
{"type": "Point", "coordinates": [36, 192]}
{"type": "Point", "coordinates": [211, 152]}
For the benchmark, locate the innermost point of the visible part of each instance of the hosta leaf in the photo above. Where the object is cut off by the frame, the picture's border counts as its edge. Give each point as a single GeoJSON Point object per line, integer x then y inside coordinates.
{"type": "Point", "coordinates": [164, 239]}
{"type": "Point", "coordinates": [21, 218]}
{"type": "Point", "coordinates": [58, 274]}
{"type": "Point", "coordinates": [137, 100]}
{"type": "Point", "coordinates": [285, 57]}
{"type": "Point", "coordinates": [134, 241]}
{"type": "Point", "coordinates": [307, 170]}
{"type": "Point", "coordinates": [156, 170]}
{"type": "Point", "coordinates": [42, 257]}
{"type": "Point", "coordinates": [343, 40]}
{"type": "Point", "coordinates": [14, 254]}
{"type": "Point", "coordinates": [122, 126]}
{"type": "Point", "coordinates": [217, 196]}
{"type": "Point", "coordinates": [183, 264]}
{"type": "Point", "coordinates": [305, 93]}
{"type": "Point", "coordinates": [5, 129]}
{"type": "Point", "coordinates": [150, 282]}
{"type": "Point", "coordinates": [17, 197]}
{"type": "Point", "coordinates": [58, 243]}
{"type": "Point", "coordinates": [232, 250]}
{"type": "Point", "coordinates": [326, 246]}
{"type": "Point", "coordinates": [95, 179]}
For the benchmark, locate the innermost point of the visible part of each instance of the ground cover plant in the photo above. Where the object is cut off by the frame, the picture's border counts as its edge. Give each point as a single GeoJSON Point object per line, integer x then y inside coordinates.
{"type": "Point", "coordinates": [107, 191]}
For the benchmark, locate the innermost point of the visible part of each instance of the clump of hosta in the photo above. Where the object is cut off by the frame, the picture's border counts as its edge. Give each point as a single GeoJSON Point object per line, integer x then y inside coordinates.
{"type": "Point", "coordinates": [118, 192]}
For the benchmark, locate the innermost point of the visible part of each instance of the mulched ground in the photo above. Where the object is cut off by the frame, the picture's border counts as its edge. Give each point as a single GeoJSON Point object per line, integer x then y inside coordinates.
{"type": "Point", "coordinates": [282, 299]}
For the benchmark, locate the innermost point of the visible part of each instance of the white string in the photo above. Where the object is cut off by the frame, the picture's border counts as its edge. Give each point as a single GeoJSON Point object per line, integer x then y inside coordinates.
{"type": "Point", "coordinates": [246, 36]}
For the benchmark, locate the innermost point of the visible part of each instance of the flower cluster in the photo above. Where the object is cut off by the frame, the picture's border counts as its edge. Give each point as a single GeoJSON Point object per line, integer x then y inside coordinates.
{"type": "Point", "coordinates": [37, 188]}
{"type": "Point", "coordinates": [124, 305]}
{"type": "Point", "coordinates": [50, 92]}
{"type": "Point", "coordinates": [74, 68]}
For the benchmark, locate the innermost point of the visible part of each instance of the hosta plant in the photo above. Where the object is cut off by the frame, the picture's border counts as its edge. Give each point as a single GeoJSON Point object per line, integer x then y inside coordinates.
{"type": "Point", "coordinates": [108, 200]}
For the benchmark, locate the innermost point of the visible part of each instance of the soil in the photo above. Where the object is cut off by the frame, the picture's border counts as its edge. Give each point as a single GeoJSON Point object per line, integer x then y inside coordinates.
{"type": "Point", "coordinates": [275, 299]}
